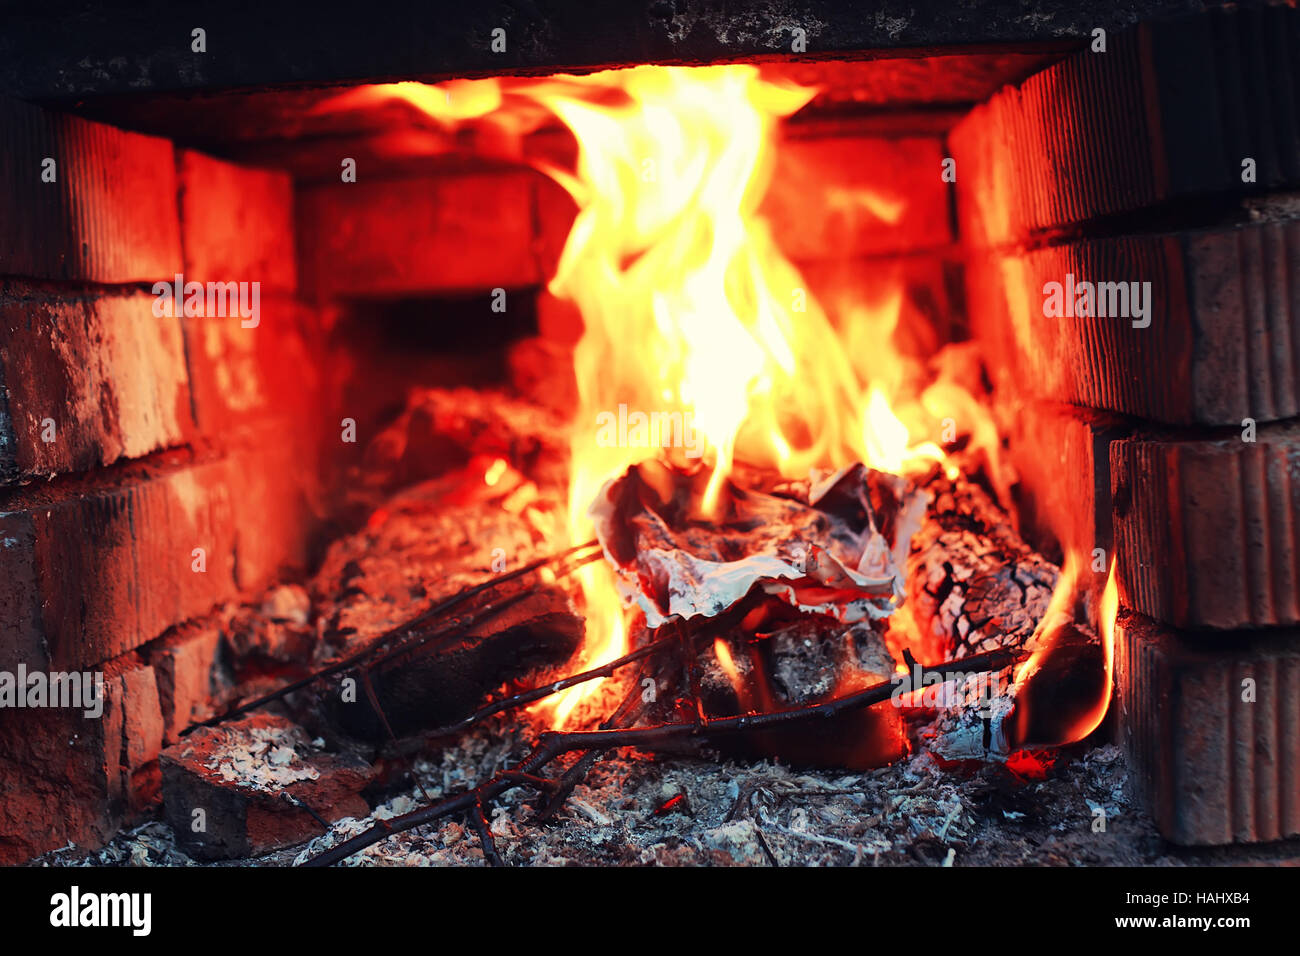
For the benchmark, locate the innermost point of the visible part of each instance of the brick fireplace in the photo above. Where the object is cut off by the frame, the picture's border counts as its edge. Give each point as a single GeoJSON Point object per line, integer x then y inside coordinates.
{"type": "Point", "coordinates": [154, 471]}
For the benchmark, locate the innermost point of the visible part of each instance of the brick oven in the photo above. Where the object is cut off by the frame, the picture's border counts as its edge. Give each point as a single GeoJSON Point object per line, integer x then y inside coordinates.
{"type": "Point", "coordinates": [192, 504]}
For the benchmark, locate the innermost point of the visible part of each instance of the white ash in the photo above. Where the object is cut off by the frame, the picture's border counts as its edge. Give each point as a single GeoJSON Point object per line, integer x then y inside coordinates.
{"type": "Point", "coordinates": [809, 661]}
{"type": "Point", "coordinates": [910, 813]}
{"type": "Point", "coordinates": [974, 729]}
{"type": "Point", "coordinates": [263, 758]}
{"type": "Point", "coordinates": [289, 603]}
{"type": "Point", "coordinates": [763, 814]}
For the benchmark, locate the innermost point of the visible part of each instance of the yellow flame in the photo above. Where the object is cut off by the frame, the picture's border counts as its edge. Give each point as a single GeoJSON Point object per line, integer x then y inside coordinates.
{"type": "Point", "coordinates": [689, 306]}
{"type": "Point", "coordinates": [725, 661]}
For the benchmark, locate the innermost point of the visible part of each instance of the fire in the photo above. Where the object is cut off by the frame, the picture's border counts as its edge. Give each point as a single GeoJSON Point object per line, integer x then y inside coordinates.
{"type": "Point", "coordinates": [886, 439]}
{"type": "Point", "coordinates": [723, 654]}
{"type": "Point", "coordinates": [1107, 612]}
{"type": "Point", "coordinates": [689, 306]}
{"type": "Point", "coordinates": [1080, 678]}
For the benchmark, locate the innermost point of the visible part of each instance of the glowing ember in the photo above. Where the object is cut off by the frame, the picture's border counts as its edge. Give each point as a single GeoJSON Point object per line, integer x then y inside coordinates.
{"type": "Point", "coordinates": [495, 471]}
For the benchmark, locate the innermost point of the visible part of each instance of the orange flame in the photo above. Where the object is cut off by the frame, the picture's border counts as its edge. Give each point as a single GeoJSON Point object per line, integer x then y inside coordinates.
{"type": "Point", "coordinates": [689, 306]}
{"type": "Point", "coordinates": [1056, 622]}
{"type": "Point", "coordinates": [1107, 612]}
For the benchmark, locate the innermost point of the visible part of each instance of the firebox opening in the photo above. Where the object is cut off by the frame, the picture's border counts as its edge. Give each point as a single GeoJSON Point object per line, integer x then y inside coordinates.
{"type": "Point", "coordinates": [746, 263]}
{"type": "Point", "coordinates": [749, 275]}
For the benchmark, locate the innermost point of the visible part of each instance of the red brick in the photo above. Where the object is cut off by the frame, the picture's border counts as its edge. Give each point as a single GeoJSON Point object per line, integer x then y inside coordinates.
{"type": "Point", "coordinates": [844, 196]}
{"type": "Point", "coordinates": [111, 560]}
{"type": "Point", "coordinates": [1167, 112]}
{"type": "Point", "coordinates": [110, 216]}
{"type": "Point", "coordinates": [421, 235]}
{"type": "Point", "coordinates": [241, 376]}
{"type": "Point", "coordinates": [236, 223]}
{"type": "Point", "coordinates": [68, 778]}
{"type": "Point", "coordinates": [60, 777]}
{"type": "Point", "coordinates": [109, 374]}
{"type": "Point", "coordinates": [1216, 768]}
{"type": "Point", "coordinates": [1224, 338]}
{"type": "Point", "coordinates": [185, 663]}
{"type": "Point", "coordinates": [142, 736]}
{"type": "Point", "coordinates": [242, 820]}
{"type": "Point", "coordinates": [21, 636]}
{"type": "Point", "coordinates": [1206, 531]}
{"type": "Point", "coordinates": [1061, 458]}
{"type": "Point", "coordinates": [274, 482]}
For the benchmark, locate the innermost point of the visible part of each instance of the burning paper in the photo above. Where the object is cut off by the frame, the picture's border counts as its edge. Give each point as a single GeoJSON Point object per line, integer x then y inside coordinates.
{"type": "Point", "coordinates": [833, 547]}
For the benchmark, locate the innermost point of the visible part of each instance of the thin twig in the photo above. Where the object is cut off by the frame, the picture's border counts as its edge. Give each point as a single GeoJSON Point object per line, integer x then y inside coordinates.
{"type": "Point", "coordinates": [478, 819]}
{"type": "Point", "coordinates": [767, 850]}
{"type": "Point", "coordinates": [301, 804]}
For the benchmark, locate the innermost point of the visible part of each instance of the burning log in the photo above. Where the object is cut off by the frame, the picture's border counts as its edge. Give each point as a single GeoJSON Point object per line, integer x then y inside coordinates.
{"type": "Point", "coordinates": [432, 625]}
{"type": "Point", "coordinates": [811, 568]}
{"type": "Point", "coordinates": [972, 584]}
{"type": "Point", "coordinates": [444, 680]}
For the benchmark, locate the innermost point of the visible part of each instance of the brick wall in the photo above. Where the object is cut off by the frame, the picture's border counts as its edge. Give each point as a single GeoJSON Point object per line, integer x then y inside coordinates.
{"type": "Point", "coordinates": [845, 205]}
{"type": "Point", "coordinates": [1169, 441]}
{"type": "Point", "coordinates": [128, 442]}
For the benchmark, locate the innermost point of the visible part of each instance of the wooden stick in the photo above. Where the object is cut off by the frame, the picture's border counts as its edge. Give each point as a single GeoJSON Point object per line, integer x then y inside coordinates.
{"type": "Point", "coordinates": [523, 698]}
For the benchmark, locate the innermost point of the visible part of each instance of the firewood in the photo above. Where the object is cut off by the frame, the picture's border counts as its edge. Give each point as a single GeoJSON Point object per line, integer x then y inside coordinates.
{"type": "Point", "coordinates": [444, 681]}
{"type": "Point", "coordinates": [972, 584]}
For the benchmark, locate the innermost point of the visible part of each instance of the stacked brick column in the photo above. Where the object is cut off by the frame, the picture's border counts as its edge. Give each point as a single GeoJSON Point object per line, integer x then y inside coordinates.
{"type": "Point", "coordinates": [1172, 444]}
{"type": "Point", "coordinates": [150, 468]}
